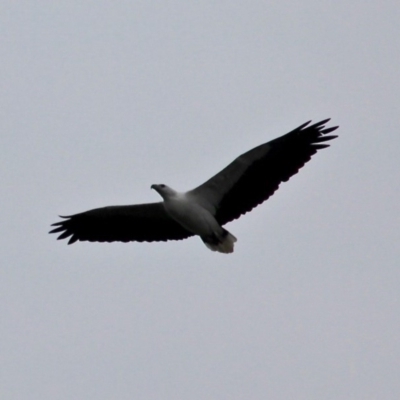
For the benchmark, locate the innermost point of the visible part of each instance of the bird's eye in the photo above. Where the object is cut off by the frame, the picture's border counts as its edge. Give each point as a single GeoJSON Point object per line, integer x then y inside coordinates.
{"type": "Point", "coordinates": [162, 185]}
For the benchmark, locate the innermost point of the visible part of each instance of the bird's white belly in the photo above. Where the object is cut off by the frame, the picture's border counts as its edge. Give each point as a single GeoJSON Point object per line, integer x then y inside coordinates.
{"type": "Point", "coordinates": [192, 216]}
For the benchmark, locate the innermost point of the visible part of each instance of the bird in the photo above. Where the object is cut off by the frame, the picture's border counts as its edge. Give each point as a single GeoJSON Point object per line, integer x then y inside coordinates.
{"type": "Point", "coordinates": [244, 184]}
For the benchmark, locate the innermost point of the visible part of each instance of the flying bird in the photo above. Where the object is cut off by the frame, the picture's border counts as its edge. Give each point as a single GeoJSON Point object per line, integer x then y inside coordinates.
{"type": "Point", "coordinates": [244, 184]}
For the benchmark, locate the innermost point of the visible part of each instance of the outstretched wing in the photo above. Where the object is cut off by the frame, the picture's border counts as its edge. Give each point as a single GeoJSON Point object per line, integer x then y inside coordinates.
{"type": "Point", "coordinates": [254, 176]}
{"type": "Point", "coordinates": [140, 223]}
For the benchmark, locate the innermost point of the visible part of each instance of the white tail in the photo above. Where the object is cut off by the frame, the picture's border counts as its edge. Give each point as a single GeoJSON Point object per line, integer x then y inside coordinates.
{"type": "Point", "coordinates": [224, 245]}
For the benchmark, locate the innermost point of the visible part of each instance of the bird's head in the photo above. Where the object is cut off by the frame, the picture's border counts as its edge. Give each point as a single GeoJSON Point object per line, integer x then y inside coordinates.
{"type": "Point", "coordinates": [163, 190]}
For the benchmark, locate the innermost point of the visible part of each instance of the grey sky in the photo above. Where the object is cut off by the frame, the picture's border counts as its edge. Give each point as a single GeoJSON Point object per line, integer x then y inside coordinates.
{"type": "Point", "coordinates": [99, 100]}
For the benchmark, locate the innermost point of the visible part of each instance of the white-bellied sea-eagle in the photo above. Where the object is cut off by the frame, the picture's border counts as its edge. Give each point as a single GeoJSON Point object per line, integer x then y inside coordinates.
{"type": "Point", "coordinates": [244, 184]}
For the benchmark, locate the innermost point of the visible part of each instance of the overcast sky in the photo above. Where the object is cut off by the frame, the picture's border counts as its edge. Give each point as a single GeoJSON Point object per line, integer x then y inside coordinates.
{"type": "Point", "coordinates": [101, 99]}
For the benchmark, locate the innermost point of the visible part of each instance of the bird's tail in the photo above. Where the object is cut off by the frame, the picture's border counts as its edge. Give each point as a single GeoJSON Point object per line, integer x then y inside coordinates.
{"type": "Point", "coordinates": [223, 244]}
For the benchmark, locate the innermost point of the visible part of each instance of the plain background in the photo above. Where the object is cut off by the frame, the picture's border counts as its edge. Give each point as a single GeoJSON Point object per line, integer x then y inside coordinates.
{"type": "Point", "coordinates": [101, 99]}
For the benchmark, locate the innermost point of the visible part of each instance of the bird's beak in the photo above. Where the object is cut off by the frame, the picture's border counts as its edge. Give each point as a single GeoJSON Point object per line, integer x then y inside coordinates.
{"type": "Point", "coordinates": [153, 187]}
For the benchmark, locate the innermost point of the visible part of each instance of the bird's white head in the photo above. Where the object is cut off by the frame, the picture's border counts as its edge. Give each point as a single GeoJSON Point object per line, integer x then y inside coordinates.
{"type": "Point", "coordinates": [163, 190]}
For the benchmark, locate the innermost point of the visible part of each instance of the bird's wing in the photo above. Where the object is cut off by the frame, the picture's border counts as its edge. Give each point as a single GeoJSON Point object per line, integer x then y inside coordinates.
{"type": "Point", "coordinates": [254, 176]}
{"type": "Point", "coordinates": [141, 223]}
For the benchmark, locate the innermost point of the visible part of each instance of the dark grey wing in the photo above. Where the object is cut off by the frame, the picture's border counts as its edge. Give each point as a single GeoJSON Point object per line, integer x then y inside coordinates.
{"type": "Point", "coordinates": [140, 223]}
{"type": "Point", "coordinates": [254, 176]}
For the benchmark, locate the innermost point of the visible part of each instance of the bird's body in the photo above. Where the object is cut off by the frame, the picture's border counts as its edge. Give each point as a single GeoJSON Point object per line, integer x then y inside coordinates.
{"type": "Point", "coordinates": [191, 215]}
{"type": "Point", "coordinates": [245, 183]}
{"type": "Point", "coordinates": [195, 217]}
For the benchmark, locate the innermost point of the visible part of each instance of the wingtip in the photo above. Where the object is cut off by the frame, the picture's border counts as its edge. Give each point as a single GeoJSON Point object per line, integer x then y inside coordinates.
{"type": "Point", "coordinates": [304, 125]}
{"type": "Point", "coordinates": [324, 121]}
{"type": "Point", "coordinates": [319, 125]}
{"type": "Point", "coordinates": [64, 235]}
{"type": "Point", "coordinates": [55, 230]}
{"type": "Point", "coordinates": [72, 239]}
{"type": "Point", "coordinates": [329, 130]}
